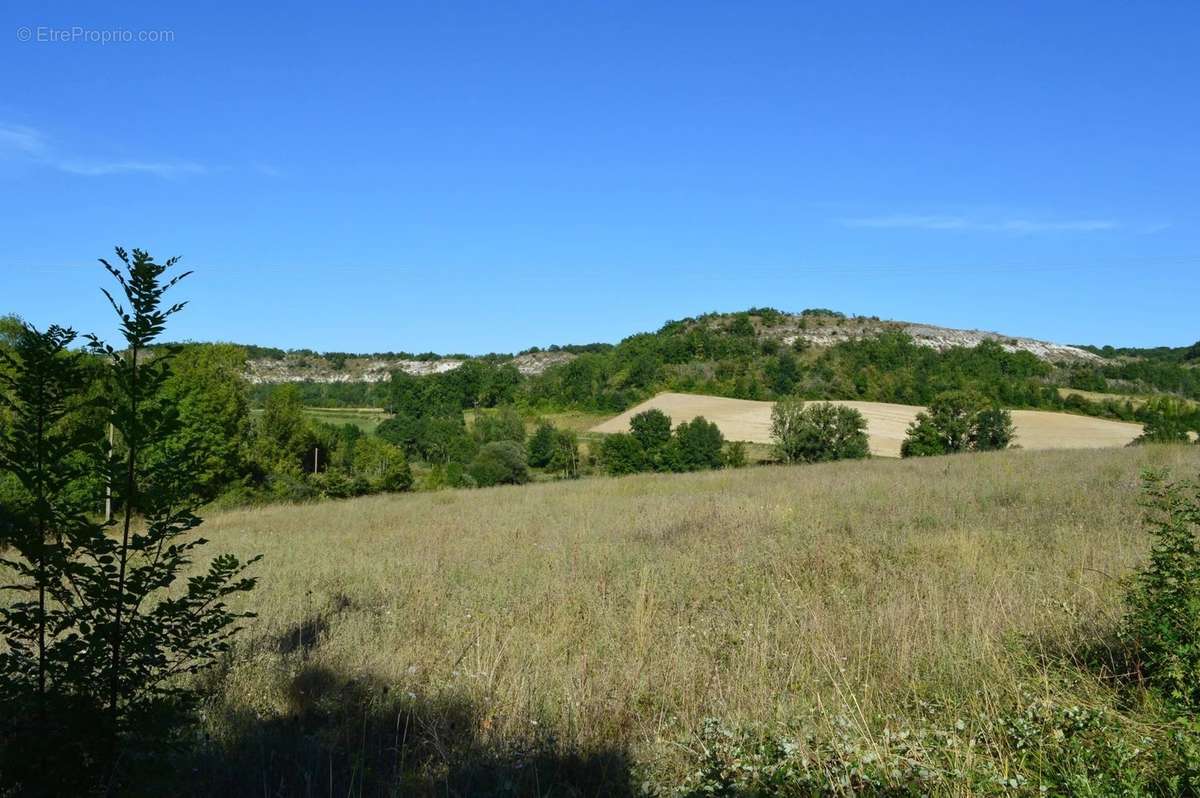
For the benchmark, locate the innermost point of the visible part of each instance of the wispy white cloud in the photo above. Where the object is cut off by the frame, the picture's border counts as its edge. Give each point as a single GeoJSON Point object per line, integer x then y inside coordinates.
{"type": "Point", "coordinates": [28, 143]}
{"type": "Point", "coordinates": [159, 168]}
{"type": "Point", "coordinates": [918, 222]}
{"type": "Point", "coordinates": [21, 140]}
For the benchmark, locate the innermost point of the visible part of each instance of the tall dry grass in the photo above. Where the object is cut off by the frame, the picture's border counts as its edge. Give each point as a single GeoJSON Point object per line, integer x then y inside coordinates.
{"type": "Point", "coordinates": [412, 642]}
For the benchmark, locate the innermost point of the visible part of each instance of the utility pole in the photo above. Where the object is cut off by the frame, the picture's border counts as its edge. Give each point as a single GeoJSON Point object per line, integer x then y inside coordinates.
{"type": "Point", "coordinates": [316, 458]}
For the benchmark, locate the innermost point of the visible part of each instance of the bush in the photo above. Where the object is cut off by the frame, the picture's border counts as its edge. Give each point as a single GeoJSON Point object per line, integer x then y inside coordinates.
{"type": "Point", "coordinates": [1034, 746]}
{"type": "Point", "coordinates": [735, 454]}
{"type": "Point", "coordinates": [1163, 619]}
{"type": "Point", "coordinates": [499, 463]}
{"type": "Point", "coordinates": [817, 433]}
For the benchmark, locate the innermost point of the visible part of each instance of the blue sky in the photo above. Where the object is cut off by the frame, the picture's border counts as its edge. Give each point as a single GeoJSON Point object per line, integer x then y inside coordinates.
{"type": "Point", "coordinates": [489, 176]}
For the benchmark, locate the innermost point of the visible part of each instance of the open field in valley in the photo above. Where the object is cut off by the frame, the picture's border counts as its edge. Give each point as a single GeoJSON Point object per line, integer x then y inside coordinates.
{"type": "Point", "coordinates": [584, 630]}
{"type": "Point", "coordinates": [747, 420]}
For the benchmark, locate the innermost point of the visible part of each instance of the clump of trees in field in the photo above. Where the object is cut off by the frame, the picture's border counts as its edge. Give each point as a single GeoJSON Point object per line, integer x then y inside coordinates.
{"type": "Point", "coordinates": [100, 628]}
{"type": "Point", "coordinates": [958, 421]}
{"type": "Point", "coordinates": [652, 445]}
{"type": "Point", "coordinates": [820, 432]}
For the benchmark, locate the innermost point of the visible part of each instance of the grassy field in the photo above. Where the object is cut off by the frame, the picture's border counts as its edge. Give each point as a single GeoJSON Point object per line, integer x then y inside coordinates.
{"type": "Point", "coordinates": [570, 638]}
{"type": "Point", "coordinates": [887, 424]}
{"type": "Point", "coordinates": [365, 418]}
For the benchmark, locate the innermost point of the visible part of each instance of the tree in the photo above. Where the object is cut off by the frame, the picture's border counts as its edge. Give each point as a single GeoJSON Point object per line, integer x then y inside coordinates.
{"type": "Point", "coordinates": [957, 421]}
{"type": "Point", "coordinates": [500, 386]}
{"type": "Point", "coordinates": [699, 444]}
{"type": "Point", "coordinates": [993, 430]}
{"type": "Point", "coordinates": [787, 417]}
{"type": "Point", "coordinates": [285, 437]}
{"type": "Point", "coordinates": [503, 425]}
{"type": "Point", "coordinates": [381, 464]}
{"type": "Point", "coordinates": [541, 444]}
{"type": "Point", "coordinates": [565, 456]}
{"type": "Point", "coordinates": [784, 372]}
{"type": "Point", "coordinates": [113, 630]}
{"type": "Point", "coordinates": [444, 439]}
{"type": "Point", "coordinates": [818, 432]}
{"type": "Point", "coordinates": [1164, 421]}
{"type": "Point", "coordinates": [621, 453]}
{"type": "Point", "coordinates": [400, 430]}
{"type": "Point", "coordinates": [39, 377]}
{"type": "Point", "coordinates": [652, 428]}
{"type": "Point", "coordinates": [207, 390]}
{"type": "Point", "coordinates": [499, 463]}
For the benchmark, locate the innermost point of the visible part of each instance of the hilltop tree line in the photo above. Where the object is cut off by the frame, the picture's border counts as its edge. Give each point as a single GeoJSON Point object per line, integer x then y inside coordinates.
{"type": "Point", "coordinates": [743, 356]}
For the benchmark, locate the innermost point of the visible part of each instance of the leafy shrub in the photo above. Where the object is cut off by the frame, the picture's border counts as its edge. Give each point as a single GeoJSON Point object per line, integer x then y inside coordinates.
{"type": "Point", "coordinates": [1037, 746]}
{"type": "Point", "coordinates": [1163, 619]}
{"type": "Point", "coordinates": [499, 463]}
{"type": "Point", "coordinates": [735, 454]}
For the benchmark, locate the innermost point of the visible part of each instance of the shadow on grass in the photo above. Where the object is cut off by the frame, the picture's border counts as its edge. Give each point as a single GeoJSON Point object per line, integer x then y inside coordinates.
{"type": "Point", "coordinates": [1094, 648]}
{"type": "Point", "coordinates": [356, 737]}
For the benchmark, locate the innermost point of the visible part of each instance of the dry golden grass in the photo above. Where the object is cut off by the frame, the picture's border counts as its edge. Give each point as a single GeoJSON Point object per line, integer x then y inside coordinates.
{"type": "Point", "coordinates": [615, 614]}
{"type": "Point", "coordinates": [747, 420]}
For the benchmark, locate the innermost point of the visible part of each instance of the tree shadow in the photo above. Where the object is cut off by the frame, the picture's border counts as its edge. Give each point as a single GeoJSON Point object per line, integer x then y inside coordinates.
{"type": "Point", "coordinates": [354, 736]}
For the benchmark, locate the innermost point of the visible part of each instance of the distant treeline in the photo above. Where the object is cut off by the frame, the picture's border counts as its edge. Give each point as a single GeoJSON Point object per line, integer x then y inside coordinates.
{"type": "Point", "coordinates": [738, 355]}
{"type": "Point", "coordinates": [1167, 354]}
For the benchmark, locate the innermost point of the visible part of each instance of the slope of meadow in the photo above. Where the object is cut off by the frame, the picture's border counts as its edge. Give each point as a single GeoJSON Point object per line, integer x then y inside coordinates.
{"type": "Point", "coordinates": [750, 421]}
{"type": "Point", "coordinates": [581, 632]}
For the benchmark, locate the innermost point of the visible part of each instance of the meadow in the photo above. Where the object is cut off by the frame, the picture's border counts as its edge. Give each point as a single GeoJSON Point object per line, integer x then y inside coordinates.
{"type": "Point", "coordinates": [572, 638]}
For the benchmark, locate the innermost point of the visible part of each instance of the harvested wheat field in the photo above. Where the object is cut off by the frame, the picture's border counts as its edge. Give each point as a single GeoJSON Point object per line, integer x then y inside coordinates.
{"type": "Point", "coordinates": [750, 421]}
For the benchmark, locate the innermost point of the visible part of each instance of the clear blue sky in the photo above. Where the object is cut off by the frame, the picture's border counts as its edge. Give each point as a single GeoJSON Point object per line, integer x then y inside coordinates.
{"type": "Point", "coordinates": [489, 176]}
